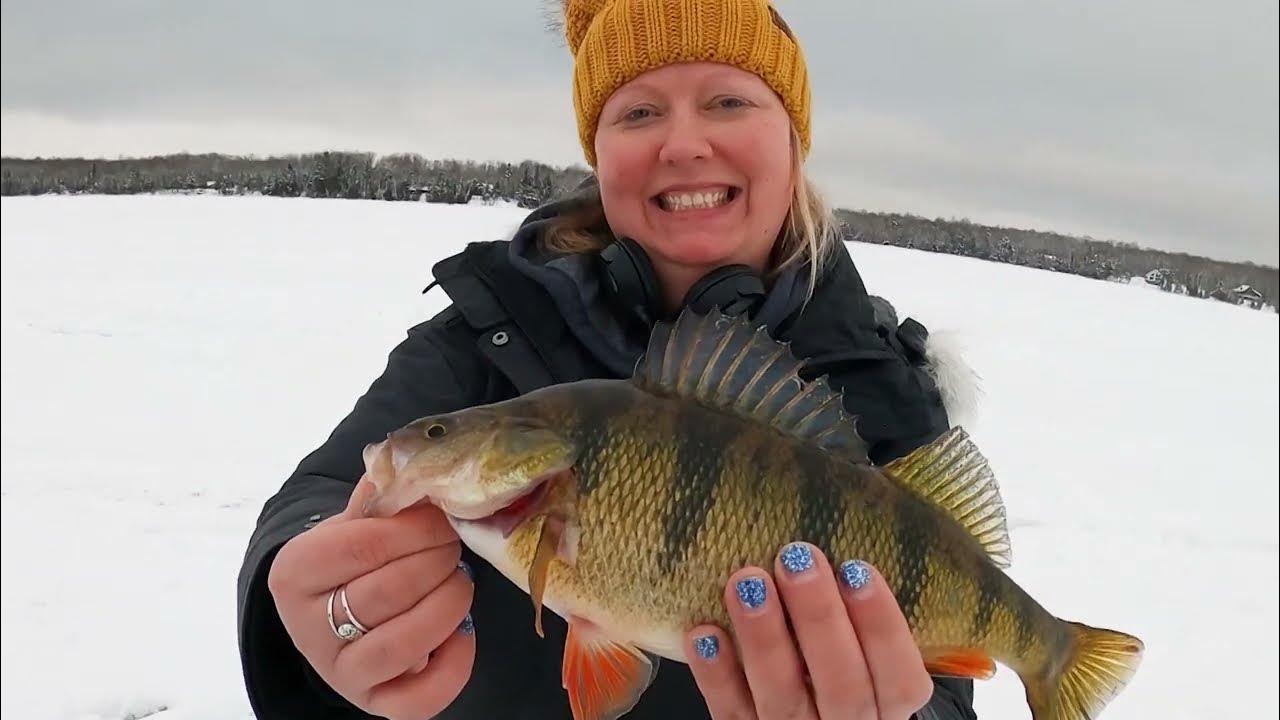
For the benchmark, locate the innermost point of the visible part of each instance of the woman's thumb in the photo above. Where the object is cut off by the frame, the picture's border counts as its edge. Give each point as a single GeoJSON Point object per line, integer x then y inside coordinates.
{"type": "Point", "coordinates": [359, 496]}
{"type": "Point", "coordinates": [376, 460]}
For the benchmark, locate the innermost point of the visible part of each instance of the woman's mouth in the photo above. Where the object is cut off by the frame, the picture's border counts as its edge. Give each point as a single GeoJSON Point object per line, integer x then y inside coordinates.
{"type": "Point", "coordinates": [708, 198]}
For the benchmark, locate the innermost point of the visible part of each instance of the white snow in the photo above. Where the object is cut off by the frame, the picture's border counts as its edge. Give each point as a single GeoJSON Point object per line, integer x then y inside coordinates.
{"type": "Point", "coordinates": [168, 359]}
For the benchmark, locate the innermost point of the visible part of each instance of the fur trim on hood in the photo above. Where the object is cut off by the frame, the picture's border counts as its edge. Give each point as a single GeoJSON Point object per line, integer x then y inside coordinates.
{"type": "Point", "coordinates": [960, 385]}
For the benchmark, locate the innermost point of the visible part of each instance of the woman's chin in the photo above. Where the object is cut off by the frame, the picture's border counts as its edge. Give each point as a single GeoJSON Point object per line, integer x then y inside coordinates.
{"type": "Point", "coordinates": [699, 250]}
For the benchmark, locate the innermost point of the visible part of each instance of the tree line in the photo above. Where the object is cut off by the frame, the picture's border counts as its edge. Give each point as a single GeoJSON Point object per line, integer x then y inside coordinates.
{"type": "Point", "coordinates": [321, 175]}
{"type": "Point", "coordinates": [410, 177]}
{"type": "Point", "coordinates": [1234, 282]}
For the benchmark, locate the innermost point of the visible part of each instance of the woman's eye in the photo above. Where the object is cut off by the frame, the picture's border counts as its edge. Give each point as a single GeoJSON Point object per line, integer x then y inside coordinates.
{"type": "Point", "coordinates": [731, 103]}
{"type": "Point", "coordinates": [636, 114]}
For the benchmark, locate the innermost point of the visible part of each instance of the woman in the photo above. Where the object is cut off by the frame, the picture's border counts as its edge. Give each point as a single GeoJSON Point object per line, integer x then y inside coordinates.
{"type": "Point", "coordinates": [695, 118]}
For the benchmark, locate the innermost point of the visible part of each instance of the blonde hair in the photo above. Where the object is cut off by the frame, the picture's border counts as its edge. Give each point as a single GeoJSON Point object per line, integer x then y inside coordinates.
{"type": "Point", "coordinates": [809, 235]}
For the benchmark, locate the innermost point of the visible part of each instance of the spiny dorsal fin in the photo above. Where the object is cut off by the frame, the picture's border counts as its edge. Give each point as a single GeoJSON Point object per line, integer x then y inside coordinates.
{"type": "Point", "coordinates": [953, 474]}
{"type": "Point", "coordinates": [726, 363]}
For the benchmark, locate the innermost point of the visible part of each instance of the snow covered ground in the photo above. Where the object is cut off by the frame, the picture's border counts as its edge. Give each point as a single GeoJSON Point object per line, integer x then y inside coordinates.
{"type": "Point", "coordinates": [167, 360]}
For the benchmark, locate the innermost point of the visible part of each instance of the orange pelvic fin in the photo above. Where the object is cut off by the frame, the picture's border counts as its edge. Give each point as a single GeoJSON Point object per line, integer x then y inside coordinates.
{"type": "Point", "coordinates": [604, 678]}
{"type": "Point", "coordinates": [959, 662]}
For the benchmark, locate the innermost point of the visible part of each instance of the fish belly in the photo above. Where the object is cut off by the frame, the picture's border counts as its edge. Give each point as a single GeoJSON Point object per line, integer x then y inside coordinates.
{"type": "Point", "coordinates": [511, 557]}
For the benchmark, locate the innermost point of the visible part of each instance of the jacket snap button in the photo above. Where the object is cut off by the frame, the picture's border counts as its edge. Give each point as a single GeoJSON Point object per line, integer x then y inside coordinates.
{"type": "Point", "coordinates": [500, 338]}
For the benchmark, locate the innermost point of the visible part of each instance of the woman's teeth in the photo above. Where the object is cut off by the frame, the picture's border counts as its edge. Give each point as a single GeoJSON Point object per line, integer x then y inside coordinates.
{"type": "Point", "coordinates": [675, 202]}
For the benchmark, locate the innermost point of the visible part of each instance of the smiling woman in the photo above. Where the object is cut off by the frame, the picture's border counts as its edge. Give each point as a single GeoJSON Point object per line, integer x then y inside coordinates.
{"type": "Point", "coordinates": [695, 165]}
{"type": "Point", "coordinates": [695, 118]}
{"type": "Point", "coordinates": [678, 225]}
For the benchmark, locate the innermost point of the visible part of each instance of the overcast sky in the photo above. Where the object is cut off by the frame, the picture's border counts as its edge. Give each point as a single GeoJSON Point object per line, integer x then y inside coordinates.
{"type": "Point", "coordinates": [1149, 121]}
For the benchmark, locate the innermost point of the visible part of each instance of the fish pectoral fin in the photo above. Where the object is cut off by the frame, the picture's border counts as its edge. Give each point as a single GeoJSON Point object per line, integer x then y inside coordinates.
{"type": "Point", "coordinates": [969, 663]}
{"type": "Point", "coordinates": [604, 678]}
{"type": "Point", "coordinates": [567, 550]}
{"type": "Point", "coordinates": [558, 537]}
{"type": "Point", "coordinates": [548, 547]}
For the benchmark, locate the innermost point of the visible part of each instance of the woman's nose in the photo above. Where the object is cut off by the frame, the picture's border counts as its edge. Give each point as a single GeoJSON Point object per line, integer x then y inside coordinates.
{"type": "Point", "coordinates": [686, 140]}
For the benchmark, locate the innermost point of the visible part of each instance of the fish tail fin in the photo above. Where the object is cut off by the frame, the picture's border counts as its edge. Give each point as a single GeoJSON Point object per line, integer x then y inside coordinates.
{"type": "Point", "coordinates": [1098, 665]}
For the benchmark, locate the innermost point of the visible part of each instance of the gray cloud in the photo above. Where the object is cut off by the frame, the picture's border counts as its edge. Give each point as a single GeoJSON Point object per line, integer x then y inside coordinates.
{"type": "Point", "coordinates": [1151, 122]}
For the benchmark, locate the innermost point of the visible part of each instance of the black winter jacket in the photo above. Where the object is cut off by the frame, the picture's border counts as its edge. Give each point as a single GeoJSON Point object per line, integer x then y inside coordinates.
{"type": "Point", "coordinates": [503, 336]}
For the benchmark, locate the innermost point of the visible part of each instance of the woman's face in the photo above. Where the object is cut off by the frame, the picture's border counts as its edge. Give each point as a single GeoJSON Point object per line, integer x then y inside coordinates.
{"type": "Point", "coordinates": [694, 164]}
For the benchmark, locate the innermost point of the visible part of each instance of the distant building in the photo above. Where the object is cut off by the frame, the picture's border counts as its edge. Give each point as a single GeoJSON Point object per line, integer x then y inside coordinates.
{"type": "Point", "coordinates": [1242, 295]}
{"type": "Point", "coordinates": [1247, 295]}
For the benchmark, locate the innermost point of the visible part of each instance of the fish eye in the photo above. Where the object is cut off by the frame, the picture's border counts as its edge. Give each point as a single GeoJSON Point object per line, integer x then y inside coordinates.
{"type": "Point", "coordinates": [435, 431]}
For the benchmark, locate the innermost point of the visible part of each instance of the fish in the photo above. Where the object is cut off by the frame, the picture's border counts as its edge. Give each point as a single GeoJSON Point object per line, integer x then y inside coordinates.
{"type": "Point", "coordinates": [623, 505]}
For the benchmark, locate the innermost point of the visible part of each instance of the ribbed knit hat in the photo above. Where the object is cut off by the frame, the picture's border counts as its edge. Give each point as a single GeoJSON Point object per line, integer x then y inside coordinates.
{"type": "Point", "coordinates": [613, 41]}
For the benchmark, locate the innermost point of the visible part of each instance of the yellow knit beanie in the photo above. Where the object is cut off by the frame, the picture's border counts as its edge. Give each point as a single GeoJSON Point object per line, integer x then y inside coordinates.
{"type": "Point", "coordinates": [613, 41]}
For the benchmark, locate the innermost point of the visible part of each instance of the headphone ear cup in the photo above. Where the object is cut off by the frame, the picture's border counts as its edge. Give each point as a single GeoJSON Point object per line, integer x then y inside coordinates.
{"type": "Point", "coordinates": [631, 280]}
{"type": "Point", "coordinates": [734, 289]}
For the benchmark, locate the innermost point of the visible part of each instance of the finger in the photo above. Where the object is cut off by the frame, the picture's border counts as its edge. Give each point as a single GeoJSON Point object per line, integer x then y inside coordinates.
{"type": "Point", "coordinates": [364, 488]}
{"type": "Point", "coordinates": [339, 552]}
{"type": "Point", "coordinates": [400, 643]}
{"type": "Point", "coordinates": [426, 693]}
{"type": "Point", "coordinates": [770, 660]}
{"type": "Point", "coordinates": [397, 586]}
{"type": "Point", "coordinates": [713, 661]}
{"type": "Point", "coordinates": [841, 682]}
{"type": "Point", "coordinates": [902, 686]}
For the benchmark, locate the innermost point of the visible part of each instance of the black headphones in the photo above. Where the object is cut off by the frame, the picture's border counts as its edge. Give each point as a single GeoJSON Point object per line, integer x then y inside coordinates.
{"type": "Point", "coordinates": [630, 281]}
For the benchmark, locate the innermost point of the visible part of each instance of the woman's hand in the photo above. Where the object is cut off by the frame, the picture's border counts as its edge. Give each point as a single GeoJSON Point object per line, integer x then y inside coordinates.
{"type": "Point", "coordinates": [847, 635]}
{"type": "Point", "coordinates": [403, 582]}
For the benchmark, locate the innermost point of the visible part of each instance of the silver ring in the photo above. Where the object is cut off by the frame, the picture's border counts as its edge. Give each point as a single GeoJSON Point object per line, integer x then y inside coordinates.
{"type": "Point", "coordinates": [351, 617]}
{"type": "Point", "coordinates": [346, 631]}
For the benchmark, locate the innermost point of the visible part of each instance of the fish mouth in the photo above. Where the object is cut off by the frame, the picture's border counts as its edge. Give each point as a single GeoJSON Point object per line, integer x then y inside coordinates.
{"type": "Point", "coordinates": [514, 512]}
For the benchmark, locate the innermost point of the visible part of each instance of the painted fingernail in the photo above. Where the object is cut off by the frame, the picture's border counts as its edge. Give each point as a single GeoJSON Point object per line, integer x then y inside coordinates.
{"type": "Point", "coordinates": [797, 558]}
{"type": "Point", "coordinates": [468, 627]}
{"type": "Point", "coordinates": [751, 592]}
{"type": "Point", "coordinates": [707, 646]}
{"type": "Point", "coordinates": [855, 573]}
{"type": "Point", "coordinates": [464, 567]}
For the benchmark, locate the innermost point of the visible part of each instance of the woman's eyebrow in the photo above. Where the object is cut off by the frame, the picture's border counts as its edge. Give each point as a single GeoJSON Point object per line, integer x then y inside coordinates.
{"type": "Point", "coordinates": [635, 90]}
{"type": "Point", "coordinates": [727, 80]}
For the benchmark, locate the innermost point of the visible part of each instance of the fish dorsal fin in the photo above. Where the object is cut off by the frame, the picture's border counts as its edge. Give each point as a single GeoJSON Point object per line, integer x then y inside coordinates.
{"type": "Point", "coordinates": [729, 364]}
{"type": "Point", "coordinates": [951, 473]}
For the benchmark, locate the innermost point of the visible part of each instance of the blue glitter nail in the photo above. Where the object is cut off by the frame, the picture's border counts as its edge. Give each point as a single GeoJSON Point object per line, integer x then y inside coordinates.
{"type": "Point", "coordinates": [751, 592]}
{"type": "Point", "coordinates": [468, 627]}
{"type": "Point", "coordinates": [797, 558]}
{"type": "Point", "coordinates": [855, 573]}
{"type": "Point", "coordinates": [707, 646]}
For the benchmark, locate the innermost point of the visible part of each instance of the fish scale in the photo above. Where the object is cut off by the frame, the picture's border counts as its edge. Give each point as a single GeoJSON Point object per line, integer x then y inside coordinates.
{"type": "Point", "coordinates": [625, 506]}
